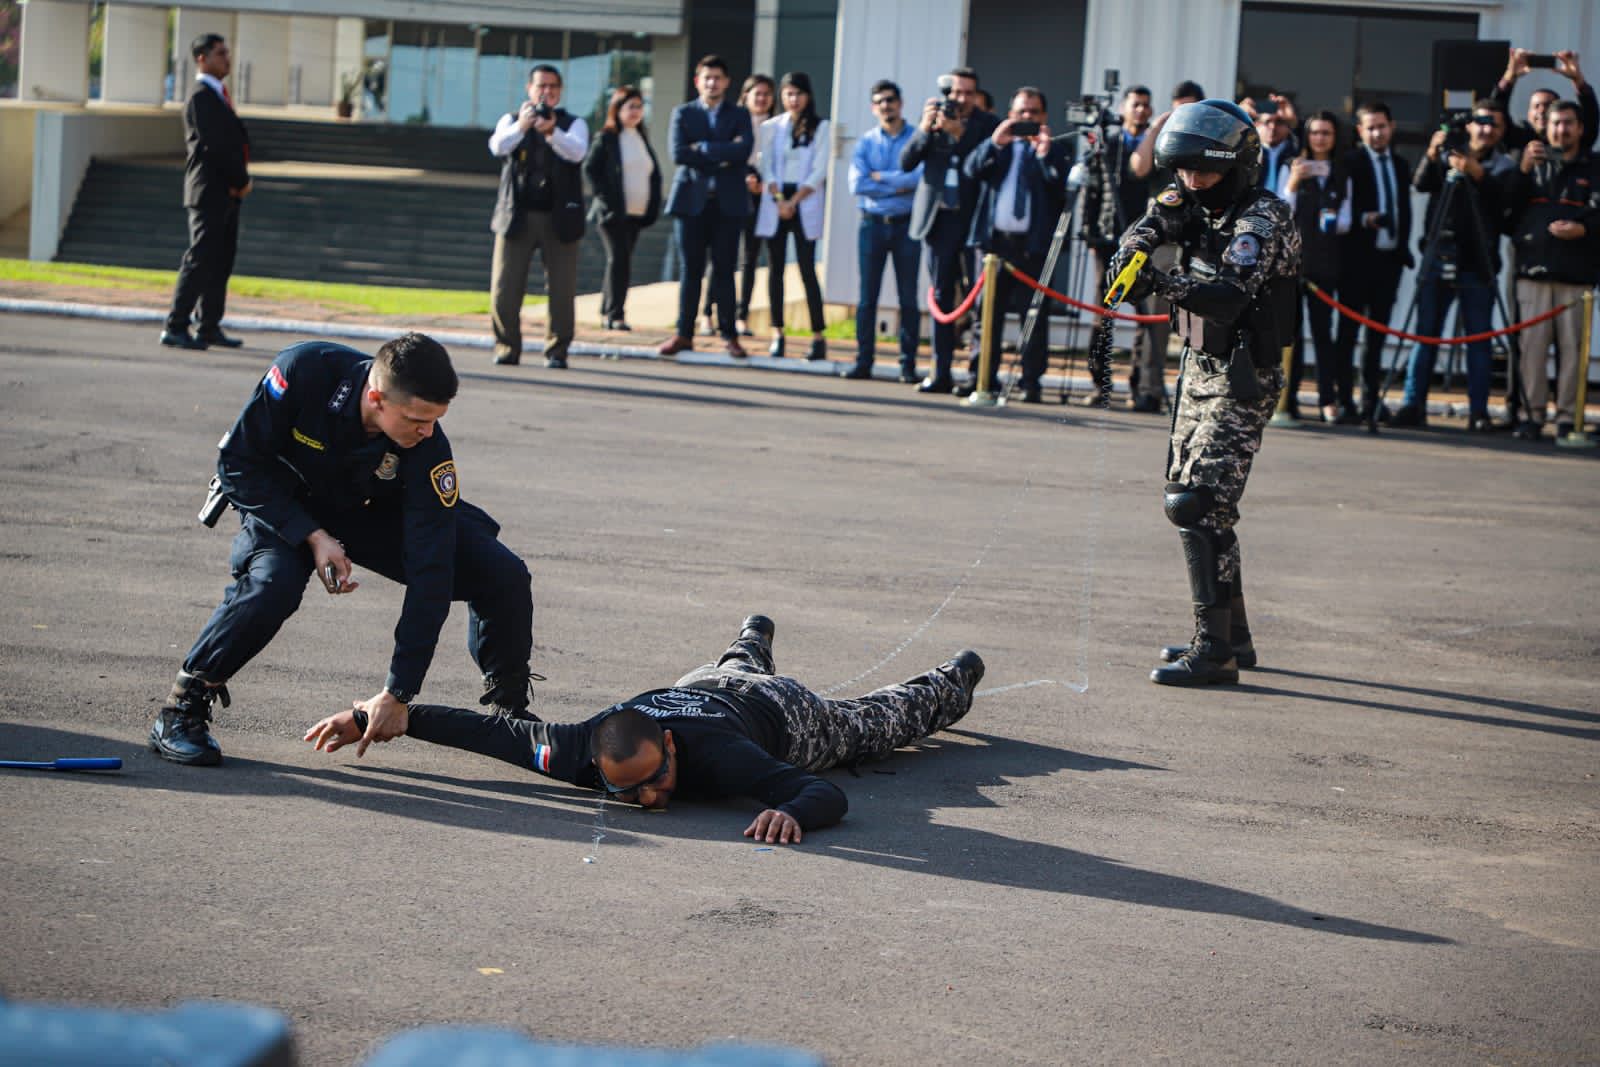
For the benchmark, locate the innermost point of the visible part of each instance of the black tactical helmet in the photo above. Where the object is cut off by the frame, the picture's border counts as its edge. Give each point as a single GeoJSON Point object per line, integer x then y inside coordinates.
{"type": "Point", "coordinates": [1212, 135]}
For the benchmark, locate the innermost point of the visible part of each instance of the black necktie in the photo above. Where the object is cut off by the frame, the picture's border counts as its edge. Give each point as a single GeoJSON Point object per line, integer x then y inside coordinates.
{"type": "Point", "coordinates": [1386, 173]}
{"type": "Point", "coordinates": [1019, 201]}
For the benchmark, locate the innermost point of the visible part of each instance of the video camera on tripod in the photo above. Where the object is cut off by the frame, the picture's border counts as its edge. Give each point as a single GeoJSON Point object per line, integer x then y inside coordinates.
{"type": "Point", "coordinates": [1097, 110]}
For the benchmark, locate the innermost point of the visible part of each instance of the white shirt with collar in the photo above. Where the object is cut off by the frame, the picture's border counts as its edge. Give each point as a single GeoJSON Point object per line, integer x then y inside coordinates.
{"type": "Point", "coordinates": [1005, 201]}
{"type": "Point", "coordinates": [215, 84]}
{"type": "Point", "coordinates": [1385, 240]}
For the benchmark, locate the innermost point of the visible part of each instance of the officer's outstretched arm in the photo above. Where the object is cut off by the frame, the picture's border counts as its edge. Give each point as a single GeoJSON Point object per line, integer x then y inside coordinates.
{"type": "Point", "coordinates": [1257, 243]}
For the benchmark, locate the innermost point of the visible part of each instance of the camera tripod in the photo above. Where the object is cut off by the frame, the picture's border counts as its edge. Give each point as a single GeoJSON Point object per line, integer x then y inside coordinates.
{"type": "Point", "coordinates": [1454, 184]}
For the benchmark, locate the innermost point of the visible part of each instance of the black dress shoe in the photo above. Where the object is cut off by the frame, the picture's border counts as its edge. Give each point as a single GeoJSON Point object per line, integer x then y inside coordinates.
{"type": "Point", "coordinates": [857, 373]}
{"type": "Point", "coordinates": [819, 350]}
{"type": "Point", "coordinates": [908, 375]}
{"type": "Point", "coordinates": [1408, 416]}
{"type": "Point", "coordinates": [1348, 417]}
{"type": "Point", "coordinates": [936, 385]}
{"type": "Point", "coordinates": [181, 339]}
{"type": "Point", "coordinates": [218, 338]}
{"type": "Point", "coordinates": [1480, 424]}
{"type": "Point", "coordinates": [556, 362]}
{"type": "Point", "coordinates": [1530, 431]}
{"type": "Point", "coordinates": [775, 349]}
{"type": "Point", "coordinates": [507, 358]}
{"type": "Point", "coordinates": [1032, 394]}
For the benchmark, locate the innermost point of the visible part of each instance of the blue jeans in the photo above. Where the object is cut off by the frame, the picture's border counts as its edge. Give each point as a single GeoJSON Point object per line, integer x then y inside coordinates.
{"type": "Point", "coordinates": [1434, 297]}
{"type": "Point", "coordinates": [879, 238]}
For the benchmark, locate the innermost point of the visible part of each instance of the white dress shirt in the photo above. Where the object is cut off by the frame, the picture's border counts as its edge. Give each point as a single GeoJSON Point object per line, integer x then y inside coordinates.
{"type": "Point", "coordinates": [1385, 240]}
{"type": "Point", "coordinates": [1005, 203]}
{"type": "Point", "coordinates": [570, 144]}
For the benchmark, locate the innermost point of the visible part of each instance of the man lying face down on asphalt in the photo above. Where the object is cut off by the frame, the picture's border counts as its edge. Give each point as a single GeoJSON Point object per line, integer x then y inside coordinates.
{"type": "Point", "coordinates": [730, 728]}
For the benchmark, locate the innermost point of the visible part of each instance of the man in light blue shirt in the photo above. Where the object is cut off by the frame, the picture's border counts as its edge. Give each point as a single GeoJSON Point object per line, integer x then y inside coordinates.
{"type": "Point", "coordinates": [884, 194]}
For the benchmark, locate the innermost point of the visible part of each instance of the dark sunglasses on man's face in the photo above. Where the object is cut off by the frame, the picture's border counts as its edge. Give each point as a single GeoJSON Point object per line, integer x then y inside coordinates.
{"type": "Point", "coordinates": [655, 779]}
{"type": "Point", "coordinates": [1483, 120]}
{"type": "Point", "coordinates": [880, 101]}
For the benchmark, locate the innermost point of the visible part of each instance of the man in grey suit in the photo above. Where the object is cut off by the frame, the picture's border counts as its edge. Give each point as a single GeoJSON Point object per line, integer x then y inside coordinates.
{"type": "Point", "coordinates": [710, 139]}
{"type": "Point", "coordinates": [941, 215]}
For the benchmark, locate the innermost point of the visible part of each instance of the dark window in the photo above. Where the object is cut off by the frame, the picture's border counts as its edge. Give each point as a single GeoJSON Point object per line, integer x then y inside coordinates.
{"type": "Point", "coordinates": [1338, 57]}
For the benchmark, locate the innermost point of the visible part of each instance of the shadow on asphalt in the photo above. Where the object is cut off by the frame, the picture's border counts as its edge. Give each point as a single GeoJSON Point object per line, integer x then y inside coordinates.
{"type": "Point", "coordinates": [1434, 694]}
{"type": "Point", "coordinates": [1455, 437]}
{"type": "Point", "coordinates": [535, 807]}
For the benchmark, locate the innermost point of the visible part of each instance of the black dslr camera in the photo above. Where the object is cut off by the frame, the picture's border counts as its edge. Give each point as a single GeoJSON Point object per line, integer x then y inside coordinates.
{"type": "Point", "coordinates": [1454, 124]}
{"type": "Point", "coordinates": [947, 107]}
{"type": "Point", "coordinates": [543, 111]}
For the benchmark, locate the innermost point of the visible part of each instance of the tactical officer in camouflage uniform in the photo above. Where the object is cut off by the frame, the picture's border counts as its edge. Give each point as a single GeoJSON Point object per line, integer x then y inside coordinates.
{"type": "Point", "coordinates": [729, 728]}
{"type": "Point", "coordinates": [1234, 299]}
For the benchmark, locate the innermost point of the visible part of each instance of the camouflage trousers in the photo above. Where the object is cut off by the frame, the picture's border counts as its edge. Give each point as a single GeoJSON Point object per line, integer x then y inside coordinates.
{"type": "Point", "coordinates": [838, 733]}
{"type": "Point", "coordinates": [1214, 440]}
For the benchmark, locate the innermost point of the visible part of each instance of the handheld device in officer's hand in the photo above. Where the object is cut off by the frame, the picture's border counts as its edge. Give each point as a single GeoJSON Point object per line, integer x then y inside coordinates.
{"type": "Point", "coordinates": [1124, 280]}
{"type": "Point", "coordinates": [216, 503]}
{"type": "Point", "coordinates": [329, 579]}
{"type": "Point", "coordinates": [1538, 61]}
{"type": "Point", "coordinates": [1025, 129]}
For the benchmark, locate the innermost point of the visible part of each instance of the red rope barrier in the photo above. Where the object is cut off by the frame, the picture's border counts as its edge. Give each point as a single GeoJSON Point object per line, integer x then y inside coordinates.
{"type": "Point", "coordinates": [1373, 324]}
{"type": "Point", "coordinates": [1079, 304]}
{"type": "Point", "coordinates": [947, 317]}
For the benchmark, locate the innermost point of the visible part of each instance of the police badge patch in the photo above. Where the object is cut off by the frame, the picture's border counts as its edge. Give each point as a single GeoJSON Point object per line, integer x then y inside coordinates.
{"type": "Point", "coordinates": [443, 478]}
{"type": "Point", "coordinates": [1243, 251]}
{"type": "Point", "coordinates": [1170, 198]}
{"type": "Point", "coordinates": [388, 468]}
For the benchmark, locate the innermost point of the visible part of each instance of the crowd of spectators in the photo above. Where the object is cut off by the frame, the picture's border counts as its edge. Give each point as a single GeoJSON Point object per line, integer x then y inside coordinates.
{"type": "Point", "coordinates": [959, 180]}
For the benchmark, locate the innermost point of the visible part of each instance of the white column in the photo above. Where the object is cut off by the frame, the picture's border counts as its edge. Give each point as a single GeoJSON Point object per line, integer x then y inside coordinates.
{"type": "Point", "coordinates": [349, 54]}
{"type": "Point", "coordinates": [312, 44]}
{"type": "Point", "coordinates": [764, 49]}
{"type": "Point", "coordinates": [1199, 42]}
{"type": "Point", "coordinates": [55, 51]}
{"type": "Point", "coordinates": [190, 23]}
{"type": "Point", "coordinates": [261, 59]}
{"type": "Point", "coordinates": [672, 77]}
{"type": "Point", "coordinates": [134, 64]}
{"type": "Point", "coordinates": [911, 42]}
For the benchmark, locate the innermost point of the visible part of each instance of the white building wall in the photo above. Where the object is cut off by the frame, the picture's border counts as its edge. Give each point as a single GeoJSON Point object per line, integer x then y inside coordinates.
{"type": "Point", "coordinates": [312, 78]}
{"type": "Point", "coordinates": [55, 51]}
{"type": "Point", "coordinates": [134, 61]}
{"type": "Point", "coordinates": [613, 16]}
{"type": "Point", "coordinates": [64, 141]}
{"type": "Point", "coordinates": [261, 59]}
{"type": "Point", "coordinates": [911, 42]}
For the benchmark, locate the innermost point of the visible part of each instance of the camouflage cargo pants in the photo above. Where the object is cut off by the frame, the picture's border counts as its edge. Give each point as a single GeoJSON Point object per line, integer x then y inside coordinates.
{"type": "Point", "coordinates": [1214, 440]}
{"type": "Point", "coordinates": [838, 733]}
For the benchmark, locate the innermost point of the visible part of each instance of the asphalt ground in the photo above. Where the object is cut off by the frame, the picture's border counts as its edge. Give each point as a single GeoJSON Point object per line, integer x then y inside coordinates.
{"type": "Point", "coordinates": [1382, 847]}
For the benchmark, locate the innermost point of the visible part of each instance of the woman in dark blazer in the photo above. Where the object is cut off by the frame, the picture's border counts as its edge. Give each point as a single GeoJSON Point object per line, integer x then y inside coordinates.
{"type": "Point", "coordinates": [1317, 187]}
{"type": "Point", "coordinates": [626, 181]}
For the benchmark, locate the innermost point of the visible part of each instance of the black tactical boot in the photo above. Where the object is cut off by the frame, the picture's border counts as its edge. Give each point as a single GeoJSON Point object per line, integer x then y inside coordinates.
{"type": "Point", "coordinates": [180, 733]}
{"type": "Point", "coordinates": [761, 625]}
{"type": "Point", "coordinates": [1209, 658]}
{"type": "Point", "coordinates": [966, 668]}
{"type": "Point", "coordinates": [1244, 648]}
{"type": "Point", "coordinates": [510, 696]}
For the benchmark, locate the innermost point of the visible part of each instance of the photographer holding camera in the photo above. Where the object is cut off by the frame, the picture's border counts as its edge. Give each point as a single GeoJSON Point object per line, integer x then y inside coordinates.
{"type": "Point", "coordinates": [1115, 195]}
{"type": "Point", "coordinates": [539, 209]}
{"type": "Point", "coordinates": [1565, 63]}
{"type": "Point", "coordinates": [941, 214]}
{"type": "Point", "coordinates": [1554, 200]}
{"type": "Point", "coordinates": [1464, 167]}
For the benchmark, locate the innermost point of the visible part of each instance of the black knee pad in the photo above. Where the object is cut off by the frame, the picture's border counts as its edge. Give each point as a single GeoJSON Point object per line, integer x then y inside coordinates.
{"type": "Point", "coordinates": [1186, 505]}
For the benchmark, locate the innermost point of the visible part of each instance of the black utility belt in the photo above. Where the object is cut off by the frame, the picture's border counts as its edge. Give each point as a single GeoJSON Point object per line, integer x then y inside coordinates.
{"type": "Point", "coordinates": [886, 220]}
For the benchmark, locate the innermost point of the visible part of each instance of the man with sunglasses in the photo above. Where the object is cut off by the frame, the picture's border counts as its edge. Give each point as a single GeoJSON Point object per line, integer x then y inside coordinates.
{"type": "Point", "coordinates": [884, 193]}
{"type": "Point", "coordinates": [729, 728]}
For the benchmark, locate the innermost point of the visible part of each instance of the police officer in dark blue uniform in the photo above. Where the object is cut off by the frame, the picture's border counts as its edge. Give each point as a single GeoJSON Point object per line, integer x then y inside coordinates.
{"type": "Point", "coordinates": [338, 459]}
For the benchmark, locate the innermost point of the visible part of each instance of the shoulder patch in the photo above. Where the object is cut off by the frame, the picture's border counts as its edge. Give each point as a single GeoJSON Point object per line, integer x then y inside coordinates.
{"type": "Point", "coordinates": [275, 382]}
{"type": "Point", "coordinates": [1170, 197]}
{"type": "Point", "coordinates": [1255, 224]}
{"type": "Point", "coordinates": [307, 440]}
{"type": "Point", "coordinates": [1243, 251]}
{"type": "Point", "coordinates": [444, 482]}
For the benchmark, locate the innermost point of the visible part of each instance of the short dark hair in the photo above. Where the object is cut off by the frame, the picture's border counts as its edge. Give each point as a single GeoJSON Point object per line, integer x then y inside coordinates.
{"type": "Point", "coordinates": [619, 734]}
{"type": "Point", "coordinates": [1566, 105]}
{"type": "Point", "coordinates": [1374, 107]}
{"type": "Point", "coordinates": [1033, 90]}
{"type": "Point", "coordinates": [545, 68]}
{"type": "Point", "coordinates": [713, 61]}
{"type": "Point", "coordinates": [204, 43]}
{"type": "Point", "coordinates": [987, 98]}
{"type": "Point", "coordinates": [417, 366]}
{"type": "Point", "coordinates": [1536, 92]}
{"type": "Point", "coordinates": [964, 72]}
{"type": "Point", "coordinates": [883, 85]}
{"type": "Point", "coordinates": [1185, 89]}
{"type": "Point", "coordinates": [1136, 90]}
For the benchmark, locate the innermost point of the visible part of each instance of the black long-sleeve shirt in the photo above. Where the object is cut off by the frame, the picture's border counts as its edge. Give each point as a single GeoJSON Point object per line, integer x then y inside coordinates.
{"type": "Point", "coordinates": [298, 459]}
{"type": "Point", "coordinates": [727, 746]}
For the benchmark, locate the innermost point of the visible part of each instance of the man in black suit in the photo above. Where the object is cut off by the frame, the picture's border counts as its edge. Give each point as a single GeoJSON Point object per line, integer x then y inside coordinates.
{"type": "Point", "coordinates": [216, 179]}
{"type": "Point", "coordinates": [1021, 186]}
{"type": "Point", "coordinates": [710, 139]}
{"type": "Point", "coordinates": [941, 215]}
{"type": "Point", "coordinates": [1374, 255]}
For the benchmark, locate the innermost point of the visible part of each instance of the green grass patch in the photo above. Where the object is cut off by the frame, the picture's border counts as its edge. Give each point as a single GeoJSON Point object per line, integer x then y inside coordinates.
{"type": "Point", "coordinates": [333, 296]}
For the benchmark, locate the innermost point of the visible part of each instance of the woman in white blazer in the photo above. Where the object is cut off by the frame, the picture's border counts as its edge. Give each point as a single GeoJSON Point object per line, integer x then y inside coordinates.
{"type": "Point", "coordinates": [795, 155]}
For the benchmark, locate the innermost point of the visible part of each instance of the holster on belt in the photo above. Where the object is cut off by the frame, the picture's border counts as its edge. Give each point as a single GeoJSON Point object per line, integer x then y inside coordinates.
{"type": "Point", "coordinates": [216, 503]}
{"type": "Point", "coordinates": [1242, 381]}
